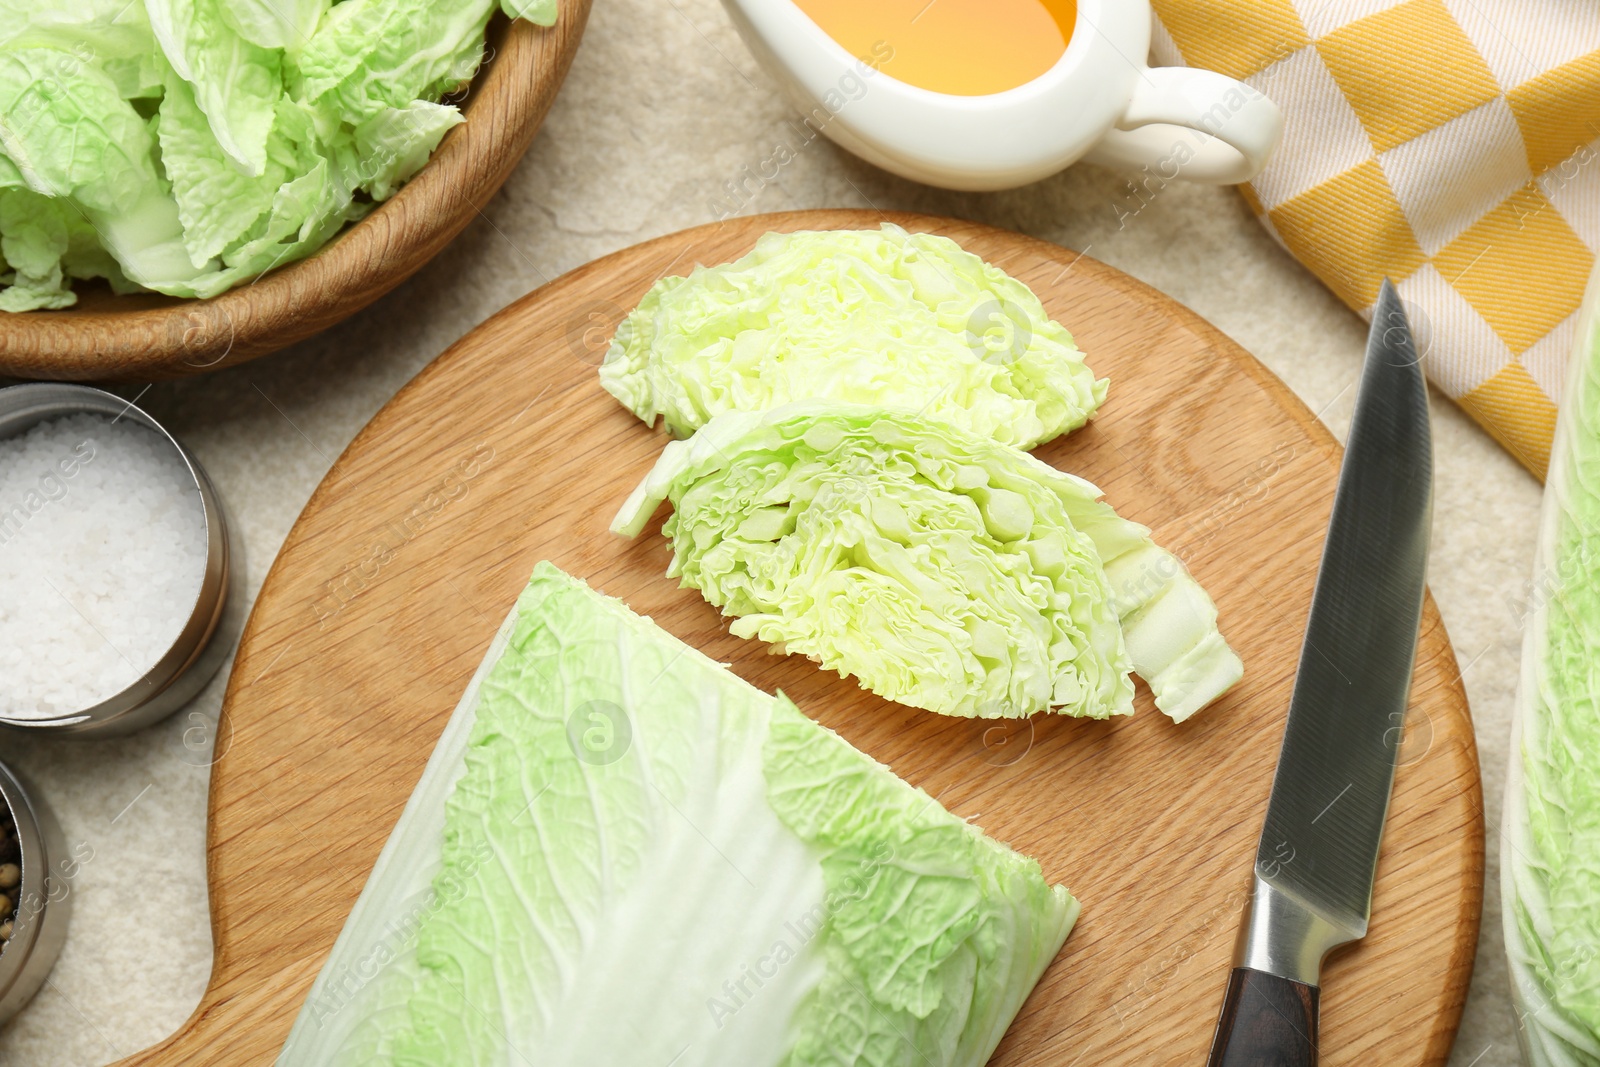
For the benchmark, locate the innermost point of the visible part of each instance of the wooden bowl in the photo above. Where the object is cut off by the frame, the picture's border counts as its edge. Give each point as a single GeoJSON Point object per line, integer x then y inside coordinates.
{"type": "Point", "coordinates": [149, 336]}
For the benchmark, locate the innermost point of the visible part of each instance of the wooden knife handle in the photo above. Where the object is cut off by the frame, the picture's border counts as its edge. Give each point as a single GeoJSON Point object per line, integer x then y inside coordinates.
{"type": "Point", "coordinates": [1266, 1021]}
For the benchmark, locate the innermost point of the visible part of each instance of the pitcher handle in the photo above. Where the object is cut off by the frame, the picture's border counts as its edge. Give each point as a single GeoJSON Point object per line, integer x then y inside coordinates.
{"type": "Point", "coordinates": [1195, 124]}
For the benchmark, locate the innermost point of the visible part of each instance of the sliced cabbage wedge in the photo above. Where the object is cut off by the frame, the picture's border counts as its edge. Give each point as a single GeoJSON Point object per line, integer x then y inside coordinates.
{"type": "Point", "coordinates": [1550, 851]}
{"type": "Point", "coordinates": [621, 853]}
{"type": "Point", "coordinates": [878, 317]}
{"type": "Point", "coordinates": [235, 82]}
{"type": "Point", "coordinates": [940, 569]}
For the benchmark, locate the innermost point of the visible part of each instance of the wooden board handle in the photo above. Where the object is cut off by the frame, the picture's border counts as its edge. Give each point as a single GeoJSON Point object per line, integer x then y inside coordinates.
{"type": "Point", "coordinates": [1266, 1021]}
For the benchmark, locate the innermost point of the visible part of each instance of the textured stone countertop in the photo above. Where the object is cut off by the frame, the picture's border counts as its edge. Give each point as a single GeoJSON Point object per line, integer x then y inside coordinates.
{"type": "Point", "coordinates": [663, 106]}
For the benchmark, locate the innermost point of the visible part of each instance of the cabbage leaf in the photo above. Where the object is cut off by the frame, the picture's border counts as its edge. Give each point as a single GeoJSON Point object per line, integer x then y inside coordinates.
{"type": "Point", "coordinates": [75, 139]}
{"type": "Point", "coordinates": [236, 83]}
{"type": "Point", "coordinates": [393, 145]}
{"type": "Point", "coordinates": [622, 853]}
{"type": "Point", "coordinates": [275, 23]}
{"type": "Point", "coordinates": [941, 569]}
{"type": "Point", "coordinates": [114, 34]}
{"type": "Point", "coordinates": [538, 12]}
{"type": "Point", "coordinates": [217, 202]}
{"type": "Point", "coordinates": [42, 241]}
{"type": "Point", "coordinates": [34, 238]}
{"type": "Point", "coordinates": [69, 131]}
{"type": "Point", "coordinates": [876, 317]}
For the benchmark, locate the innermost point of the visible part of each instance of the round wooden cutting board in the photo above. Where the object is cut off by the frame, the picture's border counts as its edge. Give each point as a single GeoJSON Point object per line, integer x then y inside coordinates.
{"type": "Point", "coordinates": [506, 451]}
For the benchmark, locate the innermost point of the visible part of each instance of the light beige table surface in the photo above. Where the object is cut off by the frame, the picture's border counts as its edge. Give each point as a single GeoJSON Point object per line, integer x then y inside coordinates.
{"type": "Point", "coordinates": [664, 108]}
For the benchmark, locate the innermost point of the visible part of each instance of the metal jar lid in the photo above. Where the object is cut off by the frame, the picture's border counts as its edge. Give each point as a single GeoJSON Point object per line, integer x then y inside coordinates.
{"type": "Point", "coordinates": [44, 898]}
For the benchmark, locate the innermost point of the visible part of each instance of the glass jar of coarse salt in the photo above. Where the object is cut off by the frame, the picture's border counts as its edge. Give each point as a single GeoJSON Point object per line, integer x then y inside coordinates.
{"type": "Point", "coordinates": [115, 565]}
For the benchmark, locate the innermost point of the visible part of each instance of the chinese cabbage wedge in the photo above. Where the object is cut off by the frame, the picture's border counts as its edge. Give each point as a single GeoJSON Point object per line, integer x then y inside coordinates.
{"type": "Point", "coordinates": [1550, 851]}
{"type": "Point", "coordinates": [883, 317]}
{"type": "Point", "coordinates": [941, 569]}
{"type": "Point", "coordinates": [621, 853]}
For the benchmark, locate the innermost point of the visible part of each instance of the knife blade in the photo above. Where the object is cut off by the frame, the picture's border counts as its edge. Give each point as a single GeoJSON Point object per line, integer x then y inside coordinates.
{"type": "Point", "coordinates": [1318, 851]}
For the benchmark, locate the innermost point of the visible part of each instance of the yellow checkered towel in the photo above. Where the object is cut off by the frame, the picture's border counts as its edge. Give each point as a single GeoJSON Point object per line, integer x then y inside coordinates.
{"type": "Point", "coordinates": [1453, 145]}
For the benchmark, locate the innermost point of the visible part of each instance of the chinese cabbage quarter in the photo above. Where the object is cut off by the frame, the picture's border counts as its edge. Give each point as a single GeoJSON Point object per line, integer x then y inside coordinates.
{"type": "Point", "coordinates": [939, 568]}
{"type": "Point", "coordinates": [878, 317]}
{"type": "Point", "coordinates": [1550, 851]}
{"type": "Point", "coordinates": [621, 853]}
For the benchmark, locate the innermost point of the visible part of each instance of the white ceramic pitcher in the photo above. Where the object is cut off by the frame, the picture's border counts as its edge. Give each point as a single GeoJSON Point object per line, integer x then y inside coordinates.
{"type": "Point", "coordinates": [1101, 101]}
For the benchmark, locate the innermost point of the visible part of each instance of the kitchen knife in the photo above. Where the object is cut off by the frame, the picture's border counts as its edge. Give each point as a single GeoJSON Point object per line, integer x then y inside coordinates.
{"type": "Point", "coordinates": [1319, 847]}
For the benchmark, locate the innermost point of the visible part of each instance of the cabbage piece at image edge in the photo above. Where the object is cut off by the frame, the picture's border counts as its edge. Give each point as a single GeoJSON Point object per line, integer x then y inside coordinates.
{"type": "Point", "coordinates": [1550, 851]}
{"type": "Point", "coordinates": [885, 318]}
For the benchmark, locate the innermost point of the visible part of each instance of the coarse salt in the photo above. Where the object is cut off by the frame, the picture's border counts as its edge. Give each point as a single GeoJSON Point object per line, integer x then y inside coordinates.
{"type": "Point", "coordinates": [102, 554]}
